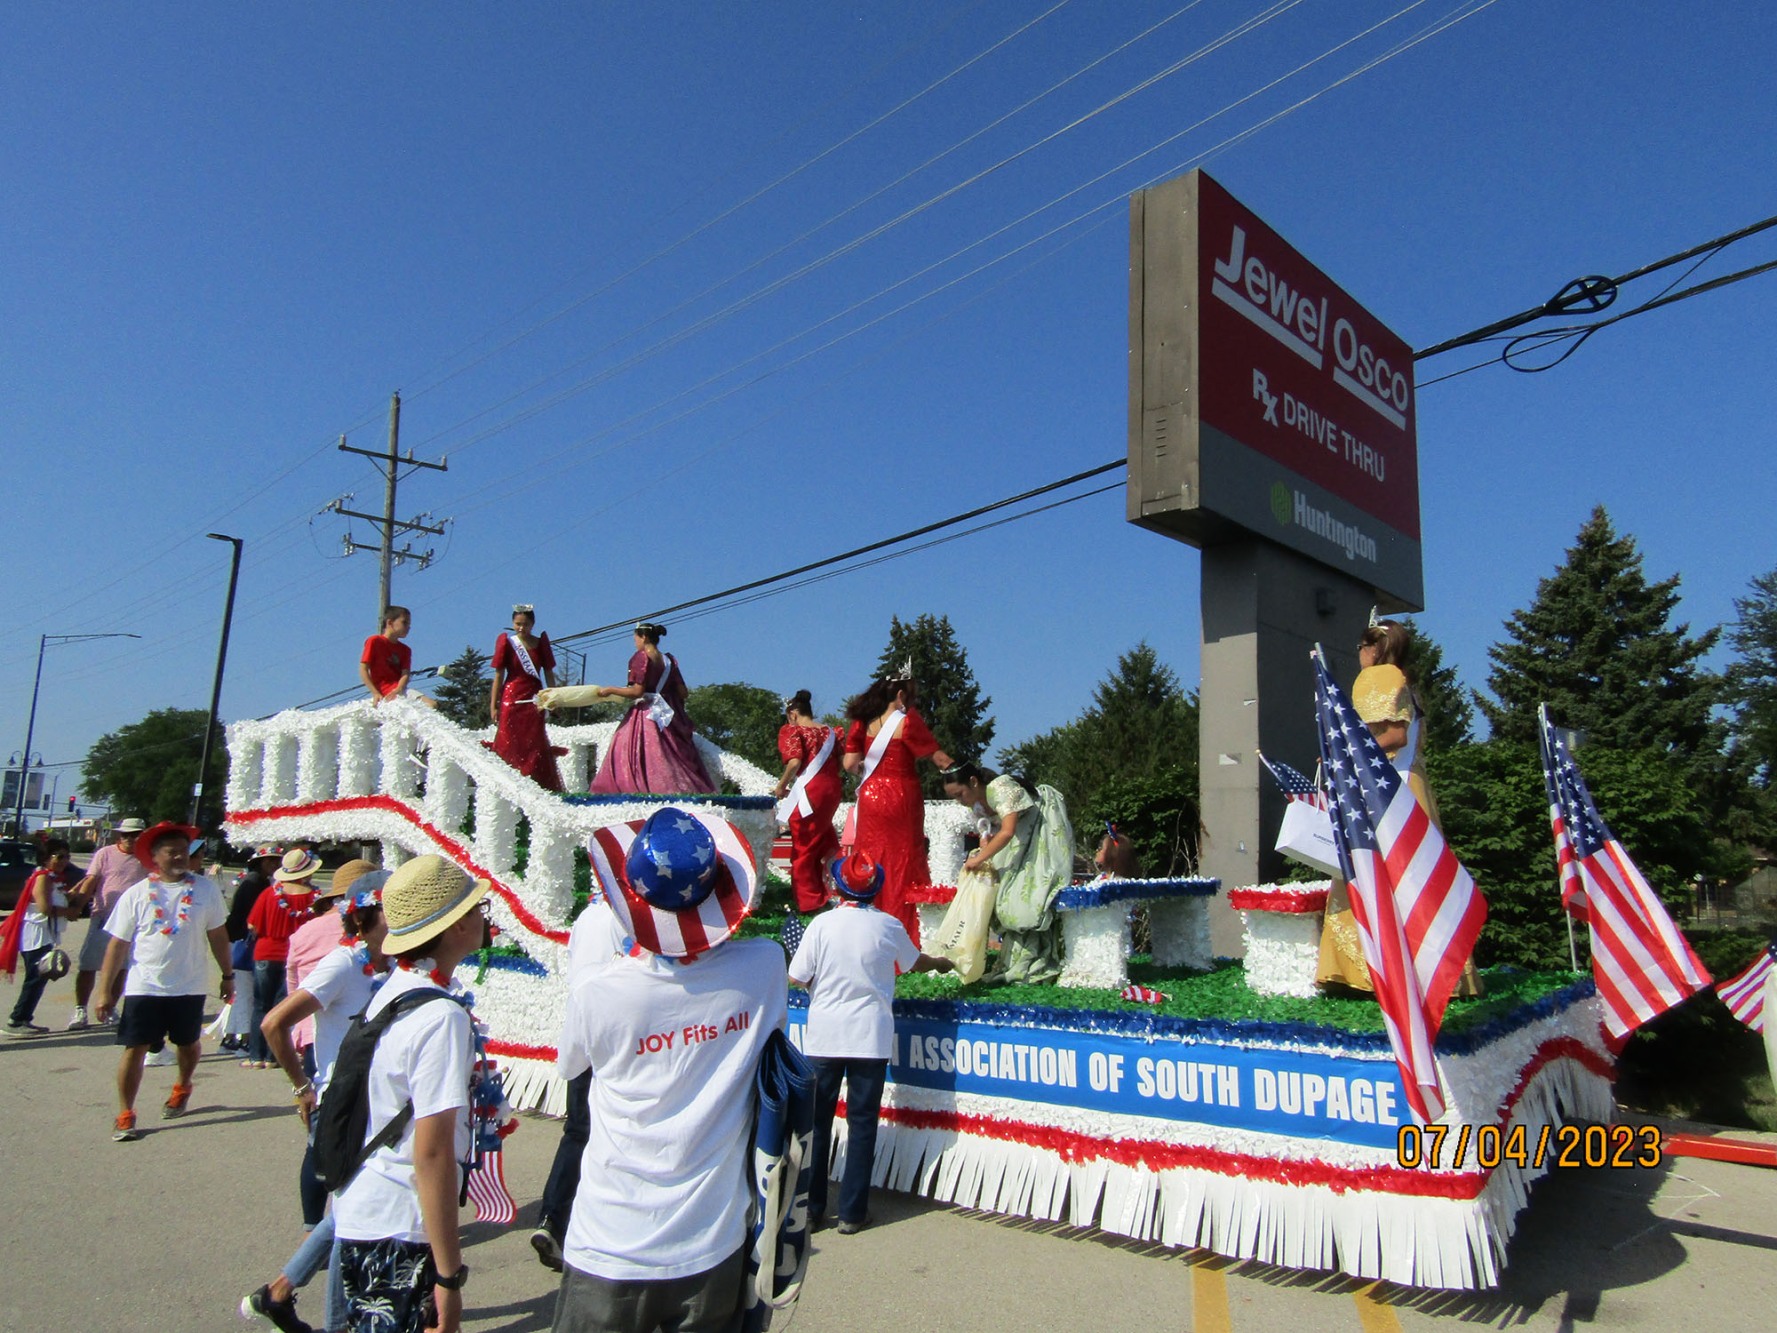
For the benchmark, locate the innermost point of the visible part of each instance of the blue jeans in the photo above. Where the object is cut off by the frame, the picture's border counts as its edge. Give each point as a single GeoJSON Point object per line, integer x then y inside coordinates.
{"type": "Point", "coordinates": [318, 1248]}
{"type": "Point", "coordinates": [32, 988]}
{"type": "Point", "coordinates": [863, 1081]}
{"type": "Point", "coordinates": [564, 1175]}
{"type": "Point", "coordinates": [268, 994]}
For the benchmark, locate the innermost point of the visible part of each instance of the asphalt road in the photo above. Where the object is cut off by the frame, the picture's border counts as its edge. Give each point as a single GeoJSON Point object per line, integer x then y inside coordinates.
{"type": "Point", "coordinates": [169, 1233]}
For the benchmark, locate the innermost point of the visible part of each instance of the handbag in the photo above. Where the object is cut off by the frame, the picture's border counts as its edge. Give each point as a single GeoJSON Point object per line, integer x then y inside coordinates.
{"type": "Point", "coordinates": [1307, 836]}
{"type": "Point", "coordinates": [55, 964]}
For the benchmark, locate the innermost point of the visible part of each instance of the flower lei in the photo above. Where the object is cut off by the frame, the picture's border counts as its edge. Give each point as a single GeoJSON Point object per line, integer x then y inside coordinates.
{"type": "Point", "coordinates": [299, 913]}
{"type": "Point", "coordinates": [443, 983]}
{"type": "Point", "coordinates": [183, 913]}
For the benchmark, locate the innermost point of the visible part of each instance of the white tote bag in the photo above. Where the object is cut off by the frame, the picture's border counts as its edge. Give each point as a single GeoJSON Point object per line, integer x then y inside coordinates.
{"type": "Point", "coordinates": [1307, 836]}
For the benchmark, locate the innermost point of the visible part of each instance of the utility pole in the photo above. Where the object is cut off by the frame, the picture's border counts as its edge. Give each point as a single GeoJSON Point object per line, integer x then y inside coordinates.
{"type": "Point", "coordinates": [390, 463]}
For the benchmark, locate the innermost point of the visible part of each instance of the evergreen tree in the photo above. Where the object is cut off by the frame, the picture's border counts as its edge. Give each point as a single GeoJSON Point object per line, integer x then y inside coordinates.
{"type": "Point", "coordinates": [1752, 679]}
{"type": "Point", "coordinates": [950, 700]}
{"type": "Point", "coordinates": [462, 689]}
{"type": "Point", "coordinates": [1596, 647]}
{"type": "Point", "coordinates": [1129, 758]}
{"type": "Point", "coordinates": [1449, 717]}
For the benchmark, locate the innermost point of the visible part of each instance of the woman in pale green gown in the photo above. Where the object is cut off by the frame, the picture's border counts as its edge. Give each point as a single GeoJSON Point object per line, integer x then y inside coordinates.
{"type": "Point", "coordinates": [1030, 853]}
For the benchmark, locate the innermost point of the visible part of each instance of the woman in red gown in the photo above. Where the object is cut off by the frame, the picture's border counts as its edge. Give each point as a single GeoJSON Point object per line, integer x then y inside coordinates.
{"type": "Point", "coordinates": [884, 745]}
{"type": "Point", "coordinates": [523, 664]}
{"type": "Point", "coordinates": [809, 793]}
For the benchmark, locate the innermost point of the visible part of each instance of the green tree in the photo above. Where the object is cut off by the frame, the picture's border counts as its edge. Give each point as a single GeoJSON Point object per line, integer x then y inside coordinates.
{"type": "Point", "coordinates": [1596, 646]}
{"type": "Point", "coordinates": [1449, 717]}
{"type": "Point", "coordinates": [1751, 681]}
{"type": "Point", "coordinates": [1496, 816]}
{"type": "Point", "coordinates": [462, 689]}
{"type": "Point", "coordinates": [147, 768]}
{"type": "Point", "coordinates": [949, 697]}
{"type": "Point", "coordinates": [1129, 759]}
{"type": "Point", "coordinates": [743, 719]}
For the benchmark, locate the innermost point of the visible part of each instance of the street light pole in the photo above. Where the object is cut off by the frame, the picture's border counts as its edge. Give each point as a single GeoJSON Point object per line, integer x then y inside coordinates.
{"type": "Point", "coordinates": [43, 641]}
{"type": "Point", "coordinates": [203, 763]}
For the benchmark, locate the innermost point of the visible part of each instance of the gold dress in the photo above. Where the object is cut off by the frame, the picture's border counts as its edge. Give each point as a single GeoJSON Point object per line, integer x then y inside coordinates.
{"type": "Point", "coordinates": [1380, 694]}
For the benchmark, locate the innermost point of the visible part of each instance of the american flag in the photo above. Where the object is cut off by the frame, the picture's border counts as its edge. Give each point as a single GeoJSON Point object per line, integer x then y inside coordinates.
{"type": "Point", "coordinates": [1418, 912]}
{"type": "Point", "coordinates": [1642, 965]}
{"type": "Point", "coordinates": [1744, 993]}
{"type": "Point", "coordinates": [487, 1190]}
{"type": "Point", "coordinates": [1293, 785]}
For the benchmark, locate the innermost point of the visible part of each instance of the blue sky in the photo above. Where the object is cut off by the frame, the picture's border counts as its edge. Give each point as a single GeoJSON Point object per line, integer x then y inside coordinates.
{"type": "Point", "coordinates": [229, 235]}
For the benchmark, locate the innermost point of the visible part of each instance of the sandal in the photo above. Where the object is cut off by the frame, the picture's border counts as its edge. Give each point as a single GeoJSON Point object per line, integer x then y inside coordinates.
{"type": "Point", "coordinates": [247, 1064]}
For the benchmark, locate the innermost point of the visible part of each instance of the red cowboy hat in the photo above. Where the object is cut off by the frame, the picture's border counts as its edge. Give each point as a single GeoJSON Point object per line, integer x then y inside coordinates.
{"type": "Point", "coordinates": [148, 837]}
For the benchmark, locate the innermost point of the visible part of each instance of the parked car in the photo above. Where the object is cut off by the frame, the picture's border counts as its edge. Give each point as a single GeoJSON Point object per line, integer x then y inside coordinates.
{"type": "Point", "coordinates": [17, 861]}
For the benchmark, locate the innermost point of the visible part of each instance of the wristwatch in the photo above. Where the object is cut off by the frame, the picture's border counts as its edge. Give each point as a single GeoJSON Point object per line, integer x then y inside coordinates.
{"type": "Point", "coordinates": [455, 1281]}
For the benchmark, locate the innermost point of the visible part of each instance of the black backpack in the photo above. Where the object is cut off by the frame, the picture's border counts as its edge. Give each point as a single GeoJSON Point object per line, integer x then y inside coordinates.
{"type": "Point", "coordinates": [344, 1114]}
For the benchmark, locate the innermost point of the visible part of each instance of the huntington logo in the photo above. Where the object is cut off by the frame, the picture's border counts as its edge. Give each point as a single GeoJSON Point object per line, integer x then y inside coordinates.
{"type": "Point", "coordinates": [1283, 503]}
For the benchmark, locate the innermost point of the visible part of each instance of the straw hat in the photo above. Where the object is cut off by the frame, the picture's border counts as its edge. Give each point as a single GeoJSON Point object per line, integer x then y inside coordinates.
{"type": "Point", "coordinates": [146, 839]}
{"type": "Point", "coordinates": [426, 897]}
{"type": "Point", "coordinates": [298, 864]}
{"type": "Point", "coordinates": [857, 878]}
{"type": "Point", "coordinates": [367, 891]}
{"type": "Point", "coordinates": [345, 877]}
{"type": "Point", "coordinates": [679, 882]}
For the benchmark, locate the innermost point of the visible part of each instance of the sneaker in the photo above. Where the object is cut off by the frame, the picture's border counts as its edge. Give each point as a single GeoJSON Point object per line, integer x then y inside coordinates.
{"type": "Point", "coordinates": [851, 1228]}
{"type": "Point", "coordinates": [548, 1248]}
{"type": "Point", "coordinates": [279, 1314]}
{"type": "Point", "coordinates": [23, 1030]}
{"type": "Point", "coordinates": [123, 1129]}
{"type": "Point", "coordinates": [175, 1106]}
{"type": "Point", "coordinates": [79, 1023]}
{"type": "Point", "coordinates": [166, 1055]}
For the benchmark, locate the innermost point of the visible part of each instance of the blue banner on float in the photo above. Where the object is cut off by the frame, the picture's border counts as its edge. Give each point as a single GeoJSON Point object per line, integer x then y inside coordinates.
{"type": "Point", "coordinates": [1302, 1094]}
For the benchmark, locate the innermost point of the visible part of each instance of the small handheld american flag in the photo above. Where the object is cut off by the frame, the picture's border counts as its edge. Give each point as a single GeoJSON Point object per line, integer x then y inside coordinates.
{"type": "Point", "coordinates": [1293, 785]}
{"type": "Point", "coordinates": [791, 933]}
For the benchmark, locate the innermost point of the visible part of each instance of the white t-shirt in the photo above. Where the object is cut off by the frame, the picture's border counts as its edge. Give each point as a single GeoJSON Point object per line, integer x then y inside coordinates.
{"type": "Point", "coordinates": [425, 1056]}
{"type": "Point", "coordinates": [849, 958]}
{"type": "Point", "coordinates": [674, 1051]}
{"type": "Point", "coordinates": [339, 983]}
{"type": "Point", "coordinates": [596, 935]}
{"type": "Point", "coordinates": [37, 932]}
{"type": "Point", "coordinates": [162, 964]}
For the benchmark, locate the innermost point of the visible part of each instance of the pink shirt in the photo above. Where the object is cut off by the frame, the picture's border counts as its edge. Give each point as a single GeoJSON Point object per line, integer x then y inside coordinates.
{"type": "Point", "coordinates": [312, 942]}
{"type": "Point", "coordinates": [115, 871]}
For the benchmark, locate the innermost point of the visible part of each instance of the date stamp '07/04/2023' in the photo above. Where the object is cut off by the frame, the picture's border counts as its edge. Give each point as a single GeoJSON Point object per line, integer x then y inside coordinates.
{"type": "Point", "coordinates": [1558, 1146]}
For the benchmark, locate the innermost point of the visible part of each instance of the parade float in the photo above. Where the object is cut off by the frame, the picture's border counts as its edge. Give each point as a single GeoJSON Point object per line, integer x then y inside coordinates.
{"type": "Point", "coordinates": [1179, 1099]}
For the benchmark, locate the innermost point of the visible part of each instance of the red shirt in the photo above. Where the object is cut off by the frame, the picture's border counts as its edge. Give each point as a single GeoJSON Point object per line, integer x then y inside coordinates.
{"type": "Point", "coordinates": [388, 659]}
{"type": "Point", "coordinates": [272, 925]}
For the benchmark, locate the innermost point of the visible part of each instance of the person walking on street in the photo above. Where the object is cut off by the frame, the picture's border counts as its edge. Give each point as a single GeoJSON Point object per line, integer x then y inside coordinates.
{"type": "Point", "coordinates": [46, 905]}
{"type": "Point", "coordinates": [112, 870]}
{"type": "Point", "coordinates": [159, 929]}
{"type": "Point", "coordinates": [400, 1255]}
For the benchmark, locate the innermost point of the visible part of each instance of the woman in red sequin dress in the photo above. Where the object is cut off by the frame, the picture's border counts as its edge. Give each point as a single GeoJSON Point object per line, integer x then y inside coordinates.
{"type": "Point", "coordinates": [884, 745]}
{"type": "Point", "coordinates": [523, 663]}
{"type": "Point", "coordinates": [809, 790]}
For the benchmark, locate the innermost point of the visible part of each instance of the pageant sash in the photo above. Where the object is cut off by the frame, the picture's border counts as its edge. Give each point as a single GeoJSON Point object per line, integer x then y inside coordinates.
{"type": "Point", "coordinates": [524, 657]}
{"type": "Point", "coordinates": [797, 801]}
{"type": "Point", "coordinates": [879, 747]}
{"type": "Point", "coordinates": [659, 710]}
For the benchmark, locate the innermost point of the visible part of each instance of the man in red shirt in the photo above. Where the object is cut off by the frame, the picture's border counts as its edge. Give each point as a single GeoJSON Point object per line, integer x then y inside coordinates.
{"type": "Point", "coordinates": [386, 661]}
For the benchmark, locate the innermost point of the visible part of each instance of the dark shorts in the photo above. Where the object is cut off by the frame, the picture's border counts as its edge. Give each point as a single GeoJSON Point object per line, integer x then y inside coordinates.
{"type": "Point", "coordinates": [707, 1302]}
{"type": "Point", "coordinates": [152, 1020]}
{"type": "Point", "coordinates": [388, 1285]}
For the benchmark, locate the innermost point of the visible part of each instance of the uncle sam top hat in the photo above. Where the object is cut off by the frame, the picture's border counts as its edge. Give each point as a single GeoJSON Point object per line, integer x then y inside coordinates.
{"type": "Point", "coordinates": [680, 882]}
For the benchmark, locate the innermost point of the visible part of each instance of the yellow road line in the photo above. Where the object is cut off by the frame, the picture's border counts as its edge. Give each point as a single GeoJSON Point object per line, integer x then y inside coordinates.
{"type": "Point", "coordinates": [1372, 1314]}
{"type": "Point", "coordinates": [1209, 1298]}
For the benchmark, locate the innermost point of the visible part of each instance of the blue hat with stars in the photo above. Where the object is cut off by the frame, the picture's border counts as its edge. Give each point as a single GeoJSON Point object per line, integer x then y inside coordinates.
{"type": "Point", "coordinates": [679, 882]}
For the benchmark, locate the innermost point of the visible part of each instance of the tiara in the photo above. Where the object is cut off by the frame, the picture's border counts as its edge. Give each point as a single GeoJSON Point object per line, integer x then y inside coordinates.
{"type": "Point", "coordinates": [524, 609]}
{"type": "Point", "coordinates": [1373, 620]}
{"type": "Point", "coordinates": [905, 673]}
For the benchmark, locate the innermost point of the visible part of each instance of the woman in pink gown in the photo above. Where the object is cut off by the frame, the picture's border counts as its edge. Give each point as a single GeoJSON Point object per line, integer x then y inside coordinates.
{"type": "Point", "coordinates": [653, 751]}
{"type": "Point", "coordinates": [884, 745]}
{"type": "Point", "coordinates": [811, 788]}
{"type": "Point", "coordinates": [523, 664]}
